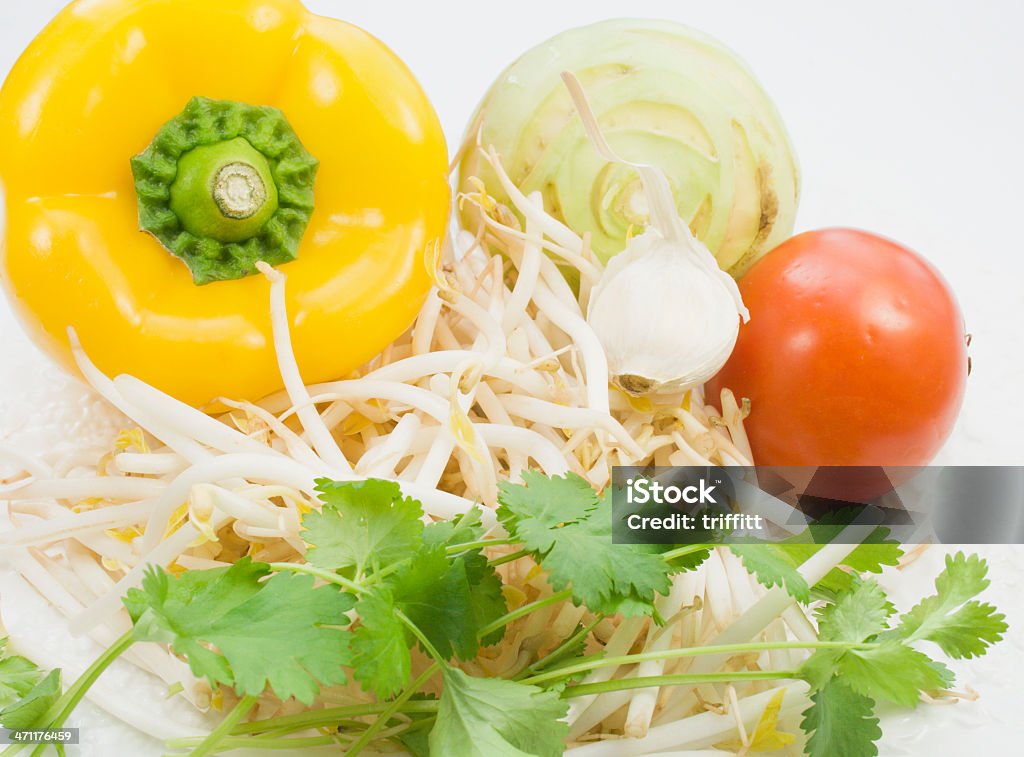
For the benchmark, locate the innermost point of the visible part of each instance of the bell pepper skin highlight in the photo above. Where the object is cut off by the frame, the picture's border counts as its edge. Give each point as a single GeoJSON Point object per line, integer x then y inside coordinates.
{"type": "Point", "coordinates": [112, 220]}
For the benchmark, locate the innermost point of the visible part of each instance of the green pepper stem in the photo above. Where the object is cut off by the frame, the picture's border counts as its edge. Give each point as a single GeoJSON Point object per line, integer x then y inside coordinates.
{"type": "Point", "coordinates": [225, 185]}
{"type": "Point", "coordinates": [239, 191]}
{"type": "Point", "coordinates": [224, 191]}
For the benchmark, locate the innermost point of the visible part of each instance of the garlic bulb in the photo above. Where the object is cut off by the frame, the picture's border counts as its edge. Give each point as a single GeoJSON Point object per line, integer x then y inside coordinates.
{"type": "Point", "coordinates": [665, 316]}
{"type": "Point", "coordinates": [665, 313]}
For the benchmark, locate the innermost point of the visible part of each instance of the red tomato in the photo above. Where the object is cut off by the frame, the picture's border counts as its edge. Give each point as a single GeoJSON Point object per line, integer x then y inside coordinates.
{"type": "Point", "coordinates": [855, 353]}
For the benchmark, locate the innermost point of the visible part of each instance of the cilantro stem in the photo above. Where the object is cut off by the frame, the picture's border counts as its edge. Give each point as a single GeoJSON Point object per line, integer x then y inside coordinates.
{"type": "Point", "coordinates": [387, 570]}
{"type": "Point", "coordinates": [279, 739]}
{"type": "Point", "coordinates": [395, 705]}
{"type": "Point", "coordinates": [508, 558]}
{"type": "Point", "coordinates": [269, 742]}
{"type": "Point", "coordinates": [597, 661]}
{"type": "Point", "coordinates": [689, 549]}
{"type": "Point", "coordinates": [561, 651]}
{"type": "Point", "coordinates": [325, 717]}
{"type": "Point", "coordinates": [480, 544]}
{"type": "Point", "coordinates": [520, 612]}
{"type": "Point", "coordinates": [420, 636]}
{"type": "Point", "coordinates": [621, 684]}
{"type": "Point", "coordinates": [64, 706]}
{"type": "Point", "coordinates": [217, 735]}
{"type": "Point", "coordinates": [326, 575]}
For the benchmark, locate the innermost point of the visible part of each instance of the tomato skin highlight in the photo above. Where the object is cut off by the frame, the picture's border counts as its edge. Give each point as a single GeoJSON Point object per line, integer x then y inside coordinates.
{"type": "Point", "coordinates": [855, 353]}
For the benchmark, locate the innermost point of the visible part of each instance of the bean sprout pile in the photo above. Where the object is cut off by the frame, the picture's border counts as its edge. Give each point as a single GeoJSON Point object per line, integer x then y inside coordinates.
{"type": "Point", "coordinates": [499, 373]}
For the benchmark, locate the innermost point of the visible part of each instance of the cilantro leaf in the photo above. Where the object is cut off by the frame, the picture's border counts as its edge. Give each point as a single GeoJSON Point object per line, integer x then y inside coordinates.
{"type": "Point", "coordinates": [773, 567]}
{"type": "Point", "coordinates": [28, 712]}
{"type": "Point", "coordinates": [960, 625]}
{"type": "Point", "coordinates": [492, 717]}
{"type": "Point", "coordinates": [891, 671]}
{"type": "Point", "coordinates": [605, 577]}
{"type": "Point", "coordinates": [970, 631]}
{"type": "Point", "coordinates": [840, 722]}
{"type": "Point", "coordinates": [820, 668]}
{"type": "Point", "coordinates": [543, 503]}
{"type": "Point", "coordinates": [857, 615]}
{"type": "Point", "coordinates": [380, 645]}
{"type": "Point", "coordinates": [434, 593]}
{"type": "Point", "coordinates": [689, 561]}
{"type": "Point", "coordinates": [416, 741]}
{"type": "Point", "coordinates": [463, 529]}
{"type": "Point", "coordinates": [362, 524]}
{"type": "Point", "coordinates": [450, 599]}
{"type": "Point", "coordinates": [280, 632]}
{"type": "Point", "coordinates": [17, 675]}
{"type": "Point", "coordinates": [568, 528]}
{"type": "Point", "coordinates": [486, 598]}
{"type": "Point", "coordinates": [183, 604]}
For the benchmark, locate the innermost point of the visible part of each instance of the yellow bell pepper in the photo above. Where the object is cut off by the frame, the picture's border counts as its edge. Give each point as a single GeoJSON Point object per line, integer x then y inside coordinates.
{"type": "Point", "coordinates": [230, 132]}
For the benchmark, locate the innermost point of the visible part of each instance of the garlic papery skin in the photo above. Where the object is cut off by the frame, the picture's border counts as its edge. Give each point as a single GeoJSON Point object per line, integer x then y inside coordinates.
{"type": "Point", "coordinates": [665, 313]}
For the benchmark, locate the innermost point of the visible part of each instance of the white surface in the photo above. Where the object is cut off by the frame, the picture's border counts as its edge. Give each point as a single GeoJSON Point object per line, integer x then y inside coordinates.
{"type": "Point", "coordinates": [906, 119]}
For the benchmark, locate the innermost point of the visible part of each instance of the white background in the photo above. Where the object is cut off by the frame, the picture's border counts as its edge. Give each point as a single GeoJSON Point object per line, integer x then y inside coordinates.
{"type": "Point", "coordinates": [907, 120]}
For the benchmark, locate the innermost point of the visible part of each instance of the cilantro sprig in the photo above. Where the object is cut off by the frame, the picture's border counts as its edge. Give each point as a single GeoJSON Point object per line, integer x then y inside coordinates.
{"type": "Point", "coordinates": [413, 583]}
{"type": "Point", "coordinates": [382, 589]}
{"type": "Point", "coordinates": [961, 626]}
{"type": "Point", "coordinates": [880, 662]}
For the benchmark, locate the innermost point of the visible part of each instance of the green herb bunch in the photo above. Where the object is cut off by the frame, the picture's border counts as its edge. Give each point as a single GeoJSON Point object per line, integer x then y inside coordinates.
{"type": "Point", "coordinates": [378, 583]}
